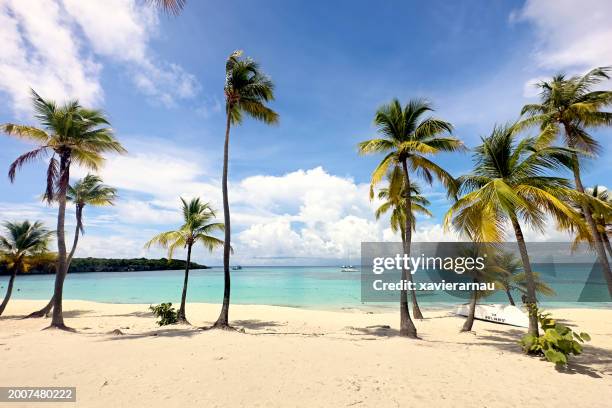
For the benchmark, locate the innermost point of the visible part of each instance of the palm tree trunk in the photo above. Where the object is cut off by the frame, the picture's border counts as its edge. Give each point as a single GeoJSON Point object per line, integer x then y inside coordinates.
{"type": "Point", "coordinates": [9, 291]}
{"type": "Point", "coordinates": [57, 319]}
{"type": "Point", "coordinates": [469, 322]}
{"type": "Point", "coordinates": [606, 240]}
{"type": "Point", "coordinates": [510, 298]}
{"type": "Point", "coordinates": [416, 310]}
{"type": "Point", "coordinates": [599, 247]}
{"type": "Point", "coordinates": [407, 327]}
{"type": "Point", "coordinates": [181, 312]}
{"type": "Point", "coordinates": [223, 319]}
{"type": "Point", "coordinates": [531, 301]}
{"type": "Point", "coordinates": [47, 309]}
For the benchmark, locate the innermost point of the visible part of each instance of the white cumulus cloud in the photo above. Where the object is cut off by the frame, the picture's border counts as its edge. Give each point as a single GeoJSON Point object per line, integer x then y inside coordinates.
{"type": "Point", "coordinates": [59, 47]}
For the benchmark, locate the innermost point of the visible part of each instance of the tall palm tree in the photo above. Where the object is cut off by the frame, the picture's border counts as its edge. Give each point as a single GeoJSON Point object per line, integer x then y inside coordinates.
{"type": "Point", "coordinates": [86, 191]}
{"type": "Point", "coordinates": [509, 183]}
{"type": "Point", "coordinates": [247, 90]}
{"type": "Point", "coordinates": [407, 137]}
{"type": "Point", "coordinates": [69, 133]}
{"type": "Point", "coordinates": [23, 245]}
{"type": "Point", "coordinates": [394, 200]}
{"type": "Point", "coordinates": [196, 228]}
{"type": "Point", "coordinates": [568, 106]}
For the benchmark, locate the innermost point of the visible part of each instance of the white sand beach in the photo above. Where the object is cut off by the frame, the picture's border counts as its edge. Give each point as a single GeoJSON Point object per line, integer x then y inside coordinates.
{"type": "Point", "coordinates": [289, 357]}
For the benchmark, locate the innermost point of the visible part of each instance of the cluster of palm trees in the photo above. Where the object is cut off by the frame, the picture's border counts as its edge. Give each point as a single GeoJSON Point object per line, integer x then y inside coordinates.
{"type": "Point", "coordinates": [516, 181]}
{"type": "Point", "coordinates": [71, 134]}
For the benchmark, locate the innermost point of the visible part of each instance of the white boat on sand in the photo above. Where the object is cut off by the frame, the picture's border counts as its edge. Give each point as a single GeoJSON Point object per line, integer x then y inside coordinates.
{"type": "Point", "coordinates": [496, 313]}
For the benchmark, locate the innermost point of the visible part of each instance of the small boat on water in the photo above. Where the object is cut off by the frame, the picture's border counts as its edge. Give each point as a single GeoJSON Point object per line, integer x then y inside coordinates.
{"type": "Point", "coordinates": [236, 268]}
{"type": "Point", "coordinates": [496, 313]}
{"type": "Point", "coordinates": [348, 267]}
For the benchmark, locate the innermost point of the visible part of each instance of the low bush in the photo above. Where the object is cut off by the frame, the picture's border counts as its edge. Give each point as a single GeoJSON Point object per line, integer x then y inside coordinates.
{"type": "Point", "coordinates": [166, 313]}
{"type": "Point", "coordinates": [557, 342]}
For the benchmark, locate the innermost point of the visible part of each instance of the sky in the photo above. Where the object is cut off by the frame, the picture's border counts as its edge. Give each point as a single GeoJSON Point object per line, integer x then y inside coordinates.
{"type": "Point", "coordinates": [298, 190]}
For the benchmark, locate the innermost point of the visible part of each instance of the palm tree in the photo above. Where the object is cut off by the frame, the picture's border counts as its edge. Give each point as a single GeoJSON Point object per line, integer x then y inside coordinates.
{"type": "Point", "coordinates": [569, 105]}
{"type": "Point", "coordinates": [196, 228]}
{"type": "Point", "coordinates": [69, 133]}
{"type": "Point", "coordinates": [509, 276]}
{"type": "Point", "coordinates": [393, 199]}
{"type": "Point", "coordinates": [169, 6]}
{"type": "Point", "coordinates": [487, 274]}
{"type": "Point", "coordinates": [86, 191]}
{"type": "Point", "coordinates": [247, 90]}
{"type": "Point", "coordinates": [24, 245]}
{"type": "Point", "coordinates": [509, 184]}
{"type": "Point", "coordinates": [407, 138]}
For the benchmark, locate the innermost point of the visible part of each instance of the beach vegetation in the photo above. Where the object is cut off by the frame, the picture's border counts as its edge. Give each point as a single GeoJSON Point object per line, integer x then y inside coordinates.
{"type": "Point", "coordinates": [569, 108]}
{"type": "Point", "coordinates": [166, 314]}
{"type": "Point", "coordinates": [393, 199]}
{"type": "Point", "coordinates": [86, 191]}
{"type": "Point", "coordinates": [407, 138]}
{"type": "Point", "coordinates": [510, 184]}
{"type": "Point", "coordinates": [197, 228]}
{"type": "Point", "coordinates": [69, 134]}
{"type": "Point", "coordinates": [247, 91]}
{"type": "Point", "coordinates": [556, 343]}
{"type": "Point", "coordinates": [22, 246]}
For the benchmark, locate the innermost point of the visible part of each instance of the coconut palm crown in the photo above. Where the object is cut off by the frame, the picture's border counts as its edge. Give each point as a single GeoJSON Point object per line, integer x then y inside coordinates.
{"type": "Point", "coordinates": [510, 183]}
{"type": "Point", "coordinates": [23, 245]}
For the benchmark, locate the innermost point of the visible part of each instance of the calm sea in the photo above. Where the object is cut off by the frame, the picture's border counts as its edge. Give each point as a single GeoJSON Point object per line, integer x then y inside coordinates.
{"type": "Point", "coordinates": [307, 287]}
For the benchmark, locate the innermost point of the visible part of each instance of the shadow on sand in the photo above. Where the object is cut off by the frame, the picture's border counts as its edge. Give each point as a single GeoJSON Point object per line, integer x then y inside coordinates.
{"type": "Point", "coordinates": [593, 362]}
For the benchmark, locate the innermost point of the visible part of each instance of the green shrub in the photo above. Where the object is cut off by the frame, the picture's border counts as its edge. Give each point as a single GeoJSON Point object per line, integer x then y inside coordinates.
{"type": "Point", "coordinates": [556, 343]}
{"type": "Point", "coordinates": [166, 313]}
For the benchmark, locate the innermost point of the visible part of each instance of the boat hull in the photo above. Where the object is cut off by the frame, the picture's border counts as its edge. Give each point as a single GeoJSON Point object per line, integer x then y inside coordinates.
{"type": "Point", "coordinates": [496, 313]}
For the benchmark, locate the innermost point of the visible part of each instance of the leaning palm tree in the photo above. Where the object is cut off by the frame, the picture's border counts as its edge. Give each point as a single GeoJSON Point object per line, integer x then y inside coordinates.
{"type": "Point", "coordinates": [24, 245]}
{"type": "Point", "coordinates": [247, 89]}
{"type": "Point", "coordinates": [70, 134]}
{"type": "Point", "coordinates": [407, 137]}
{"type": "Point", "coordinates": [394, 199]}
{"type": "Point", "coordinates": [86, 191]}
{"type": "Point", "coordinates": [509, 183]}
{"type": "Point", "coordinates": [568, 106]}
{"type": "Point", "coordinates": [196, 228]}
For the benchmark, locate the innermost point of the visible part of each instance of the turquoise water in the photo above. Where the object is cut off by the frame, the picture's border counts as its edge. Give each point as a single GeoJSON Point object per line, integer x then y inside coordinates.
{"type": "Point", "coordinates": [308, 287]}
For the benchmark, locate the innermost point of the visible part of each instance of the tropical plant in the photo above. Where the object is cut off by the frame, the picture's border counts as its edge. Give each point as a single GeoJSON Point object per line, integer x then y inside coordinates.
{"type": "Point", "coordinates": [70, 134]}
{"type": "Point", "coordinates": [247, 90]}
{"type": "Point", "coordinates": [569, 106]}
{"type": "Point", "coordinates": [407, 137]}
{"type": "Point", "coordinates": [24, 245]}
{"type": "Point", "coordinates": [394, 200]}
{"type": "Point", "coordinates": [196, 228]}
{"type": "Point", "coordinates": [510, 277]}
{"type": "Point", "coordinates": [557, 343]}
{"type": "Point", "coordinates": [509, 183]}
{"type": "Point", "coordinates": [166, 314]}
{"type": "Point", "coordinates": [600, 205]}
{"type": "Point", "coordinates": [86, 191]}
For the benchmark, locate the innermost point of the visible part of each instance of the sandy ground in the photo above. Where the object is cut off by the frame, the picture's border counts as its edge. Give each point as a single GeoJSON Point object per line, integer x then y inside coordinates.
{"type": "Point", "coordinates": [295, 358]}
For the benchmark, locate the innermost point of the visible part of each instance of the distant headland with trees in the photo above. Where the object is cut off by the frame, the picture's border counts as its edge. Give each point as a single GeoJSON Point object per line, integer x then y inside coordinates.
{"type": "Point", "coordinates": [113, 265]}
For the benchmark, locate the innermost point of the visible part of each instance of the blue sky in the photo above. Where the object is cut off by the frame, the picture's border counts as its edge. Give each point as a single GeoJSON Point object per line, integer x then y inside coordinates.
{"type": "Point", "coordinates": [298, 189]}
